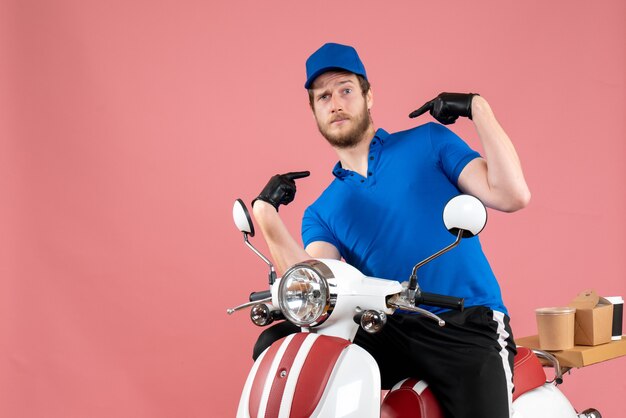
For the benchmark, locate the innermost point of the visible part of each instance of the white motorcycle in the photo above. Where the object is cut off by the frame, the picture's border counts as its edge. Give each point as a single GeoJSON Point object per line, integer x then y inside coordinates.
{"type": "Point", "coordinates": [319, 372]}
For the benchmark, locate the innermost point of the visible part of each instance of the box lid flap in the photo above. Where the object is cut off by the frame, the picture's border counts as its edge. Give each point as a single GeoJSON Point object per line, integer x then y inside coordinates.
{"type": "Point", "coordinates": [587, 299]}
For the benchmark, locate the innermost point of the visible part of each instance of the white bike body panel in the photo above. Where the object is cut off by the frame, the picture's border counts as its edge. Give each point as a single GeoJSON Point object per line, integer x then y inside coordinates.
{"type": "Point", "coordinates": [546, 401]}
{"type": "Point", "coordinates": [353, 390]}
{"type": "Point", "coordinates": [244, 401]}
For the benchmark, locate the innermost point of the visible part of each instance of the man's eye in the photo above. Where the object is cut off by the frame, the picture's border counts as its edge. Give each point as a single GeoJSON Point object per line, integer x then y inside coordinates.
{"type": "Point", "coordinates": [347, 91]}
{"type": "Point", "coordinates": [323, 97]}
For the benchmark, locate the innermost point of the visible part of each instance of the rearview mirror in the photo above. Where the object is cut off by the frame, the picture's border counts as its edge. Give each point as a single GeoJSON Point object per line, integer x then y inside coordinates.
{"type": "Point", "coordinates": [465, 216]}
{"type": "Point", "coordinates": [242, 219]}
{"type": "Point", "coordinates": [467, 213]}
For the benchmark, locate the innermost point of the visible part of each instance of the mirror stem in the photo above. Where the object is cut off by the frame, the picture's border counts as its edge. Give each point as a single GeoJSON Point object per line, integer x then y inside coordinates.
{"type": "Point", "coordinates": [272, 273]}
{"type": "Point", "coordinates": [413, 279]}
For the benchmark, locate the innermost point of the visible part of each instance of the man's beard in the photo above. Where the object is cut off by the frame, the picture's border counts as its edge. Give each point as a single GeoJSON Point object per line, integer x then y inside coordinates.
{"type": "Point", "coordinates": [351, 138]}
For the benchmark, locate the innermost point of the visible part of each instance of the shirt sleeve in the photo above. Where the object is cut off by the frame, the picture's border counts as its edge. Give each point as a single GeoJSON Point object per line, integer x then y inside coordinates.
{"type": "Point", "coordinates": [314, 229]}
{"type": "Point", "coordinates": [452, 152]}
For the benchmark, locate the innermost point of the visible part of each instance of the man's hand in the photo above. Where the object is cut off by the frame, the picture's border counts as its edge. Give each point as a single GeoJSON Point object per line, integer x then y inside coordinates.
{"type": "Point", "coordinates": [281, 189]}
{"type": "Point", "coordinates": [447, 107]}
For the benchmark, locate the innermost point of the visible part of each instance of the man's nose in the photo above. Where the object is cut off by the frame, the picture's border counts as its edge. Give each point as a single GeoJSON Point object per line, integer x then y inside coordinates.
{"type": "Point", "coordinates": [336, 105]}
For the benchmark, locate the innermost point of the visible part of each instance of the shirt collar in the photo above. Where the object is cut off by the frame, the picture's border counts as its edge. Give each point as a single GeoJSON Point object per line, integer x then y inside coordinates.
{"type": "Point", "coordinates": [380, 137]}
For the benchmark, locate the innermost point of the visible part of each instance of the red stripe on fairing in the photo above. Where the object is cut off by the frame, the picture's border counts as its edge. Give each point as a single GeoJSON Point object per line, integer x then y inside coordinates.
{"type": "Point", "coordinates": [256, 391]}
{"type": "Point", "coordinates": [278, 385]}
{"type": "Point", "coordinates": [315, 373]}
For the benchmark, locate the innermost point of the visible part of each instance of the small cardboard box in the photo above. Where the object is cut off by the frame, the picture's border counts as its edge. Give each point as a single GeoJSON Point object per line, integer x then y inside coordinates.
{"type": "Point", "coordinates": [594, 318]}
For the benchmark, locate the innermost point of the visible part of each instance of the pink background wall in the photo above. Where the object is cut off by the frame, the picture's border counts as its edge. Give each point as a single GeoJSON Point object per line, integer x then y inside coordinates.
{"type": "Point", "coordinates": [127, 129]}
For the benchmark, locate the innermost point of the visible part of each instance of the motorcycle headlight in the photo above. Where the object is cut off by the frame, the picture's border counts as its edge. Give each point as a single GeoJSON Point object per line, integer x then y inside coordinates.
{"type": "Point", "coordinates": [304, 296]}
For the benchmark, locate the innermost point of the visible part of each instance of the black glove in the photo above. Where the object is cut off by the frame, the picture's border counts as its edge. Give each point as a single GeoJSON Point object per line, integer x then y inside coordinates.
{"type": "Point", "coordinates": [447, 107]}
{"type": "Point", "coordinates": [281, 189]}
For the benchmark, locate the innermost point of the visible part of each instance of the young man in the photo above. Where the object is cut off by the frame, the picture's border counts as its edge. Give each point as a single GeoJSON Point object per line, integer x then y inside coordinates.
{"type": "Point", "coordinates": [382, 214]}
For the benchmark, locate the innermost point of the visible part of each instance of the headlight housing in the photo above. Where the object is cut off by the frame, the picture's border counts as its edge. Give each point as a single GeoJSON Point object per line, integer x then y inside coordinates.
{"type": "Point", "coordinates": [304, 295]}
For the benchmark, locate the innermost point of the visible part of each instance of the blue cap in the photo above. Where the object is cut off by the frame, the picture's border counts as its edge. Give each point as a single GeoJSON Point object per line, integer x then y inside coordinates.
{"type": "Point", "coordinates": [333, 57]}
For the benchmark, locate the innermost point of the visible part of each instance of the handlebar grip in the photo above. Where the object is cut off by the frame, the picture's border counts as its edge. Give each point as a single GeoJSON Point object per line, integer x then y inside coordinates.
{"type": "Point", "coordinates": [264, 294]}
{"type": "Point", "coordinates": [441, 301]}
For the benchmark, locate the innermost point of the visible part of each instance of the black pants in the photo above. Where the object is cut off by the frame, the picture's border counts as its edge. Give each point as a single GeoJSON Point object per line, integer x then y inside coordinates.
{"type": "Point", "coordinates": [468, 364]}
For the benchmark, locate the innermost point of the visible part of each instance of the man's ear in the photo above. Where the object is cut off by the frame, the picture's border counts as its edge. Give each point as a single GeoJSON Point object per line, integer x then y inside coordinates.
{"type": "Point", "coordinates": [312, 107]}
{"type": "Point", "coordinates": [369, 99]}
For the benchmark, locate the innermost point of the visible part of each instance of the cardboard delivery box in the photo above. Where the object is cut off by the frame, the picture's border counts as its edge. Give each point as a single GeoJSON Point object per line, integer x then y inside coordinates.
{"type": "Point", "coordinates": [594, 318]}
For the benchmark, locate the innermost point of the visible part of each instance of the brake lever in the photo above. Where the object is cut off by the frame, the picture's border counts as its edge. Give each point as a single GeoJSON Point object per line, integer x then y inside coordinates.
{"type": "Point", "coordinates": [399, 302]}
{"type": "Point", "coordinates": [231, 311]}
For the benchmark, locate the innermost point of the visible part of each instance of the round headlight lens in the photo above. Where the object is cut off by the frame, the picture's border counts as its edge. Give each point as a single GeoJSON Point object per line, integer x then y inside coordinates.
{"type": "Point", "coordinates": [303, 296]}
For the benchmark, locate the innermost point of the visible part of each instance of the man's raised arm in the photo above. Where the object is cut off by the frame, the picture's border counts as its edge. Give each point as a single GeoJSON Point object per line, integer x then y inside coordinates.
{"type": "Point", "coordinates": [497, 180]}
{"type": "Point", "coordinates": [285, 250]}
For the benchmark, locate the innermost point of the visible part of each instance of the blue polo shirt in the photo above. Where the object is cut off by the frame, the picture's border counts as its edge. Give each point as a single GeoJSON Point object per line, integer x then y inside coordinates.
{"type": "Point", "coordinates": [385, 223]}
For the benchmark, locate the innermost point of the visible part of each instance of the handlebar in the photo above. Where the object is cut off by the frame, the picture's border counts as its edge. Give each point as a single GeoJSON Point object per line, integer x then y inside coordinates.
{"type": "Point", "coordinates": [440, 301]}
{"type": "Point", "coordinates": [264, 294]}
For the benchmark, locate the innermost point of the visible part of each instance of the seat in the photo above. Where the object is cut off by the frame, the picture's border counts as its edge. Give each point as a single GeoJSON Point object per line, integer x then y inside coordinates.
{"type": "Point", "coordinates": [410, 398]}
{"type": "Point", "coordinates": [527, 372]}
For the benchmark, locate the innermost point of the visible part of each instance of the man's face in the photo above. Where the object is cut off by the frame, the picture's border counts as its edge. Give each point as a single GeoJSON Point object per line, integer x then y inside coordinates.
{"type": "Point", "coordinates": [340, 109]}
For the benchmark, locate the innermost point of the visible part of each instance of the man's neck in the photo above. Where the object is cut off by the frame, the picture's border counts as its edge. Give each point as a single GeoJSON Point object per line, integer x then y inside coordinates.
{"type": "Point", "coordinates": [355, 158]}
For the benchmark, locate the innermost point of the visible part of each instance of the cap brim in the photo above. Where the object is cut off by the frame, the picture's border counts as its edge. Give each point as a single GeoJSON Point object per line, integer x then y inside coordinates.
{"type": "Point", "coordinates": [323, 70]}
